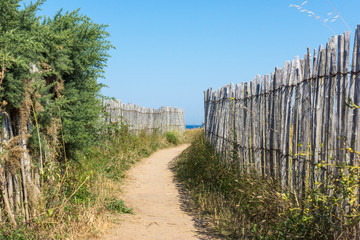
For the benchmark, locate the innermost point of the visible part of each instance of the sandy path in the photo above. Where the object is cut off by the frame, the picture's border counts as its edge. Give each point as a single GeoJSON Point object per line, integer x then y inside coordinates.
{"type": "Point", "coordinates": [151, 192]}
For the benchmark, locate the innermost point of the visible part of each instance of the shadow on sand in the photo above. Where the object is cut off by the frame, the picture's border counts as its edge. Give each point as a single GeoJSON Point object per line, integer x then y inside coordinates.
{"type": "Point", "coordinates": [201, 223]}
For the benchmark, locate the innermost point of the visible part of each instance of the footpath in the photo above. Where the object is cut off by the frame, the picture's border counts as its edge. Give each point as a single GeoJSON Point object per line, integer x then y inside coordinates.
{"type": "Point", "coordinates": [150, 190]}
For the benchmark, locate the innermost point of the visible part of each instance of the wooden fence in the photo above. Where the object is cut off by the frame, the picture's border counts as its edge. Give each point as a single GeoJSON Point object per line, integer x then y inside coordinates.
{"type": "Point", "coordinates": [301, 117]}
{"type": "Point", "coordinates": [148, 119]}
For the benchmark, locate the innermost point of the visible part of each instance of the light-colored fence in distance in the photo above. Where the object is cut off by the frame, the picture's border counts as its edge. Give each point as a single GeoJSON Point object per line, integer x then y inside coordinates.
{"type": "Point", "coordinates": [140, 118]}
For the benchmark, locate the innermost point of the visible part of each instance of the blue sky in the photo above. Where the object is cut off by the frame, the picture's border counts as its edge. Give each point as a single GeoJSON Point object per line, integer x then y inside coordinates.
{"type": "Point", "coordinates": [169, 51]}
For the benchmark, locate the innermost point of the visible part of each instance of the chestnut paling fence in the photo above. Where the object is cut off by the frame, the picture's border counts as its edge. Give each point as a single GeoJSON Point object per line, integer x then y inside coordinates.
{"type": "Point", "coordinates": [293, 120]}
{"type": "Point", "coordinates": [144, 119]}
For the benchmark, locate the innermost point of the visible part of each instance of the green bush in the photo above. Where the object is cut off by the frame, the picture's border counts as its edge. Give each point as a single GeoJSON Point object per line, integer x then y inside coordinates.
{"type": "Point", "coordinates": [328, 211]}
{"type": "Point", "coordinates": [172, 138]}
{"type": "Point", "coordinates": [22, 232]}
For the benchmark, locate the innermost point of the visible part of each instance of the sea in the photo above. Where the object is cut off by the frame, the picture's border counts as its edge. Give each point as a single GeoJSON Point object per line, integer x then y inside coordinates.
{"type": "Point", "coordinates": [193, 126]}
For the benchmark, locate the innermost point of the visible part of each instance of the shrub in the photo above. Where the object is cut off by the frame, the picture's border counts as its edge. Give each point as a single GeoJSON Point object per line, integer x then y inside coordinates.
{"type": "Point", "coordinates": [172, 138]}
{"type": "Point", "coordinates": [233, 199]}
{"type": "Point", "coordinates": [242, 205]}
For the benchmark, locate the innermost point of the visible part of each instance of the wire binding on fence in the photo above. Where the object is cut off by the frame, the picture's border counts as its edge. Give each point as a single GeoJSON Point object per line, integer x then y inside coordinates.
{"type": "Point", "coordinates": [284, 87]}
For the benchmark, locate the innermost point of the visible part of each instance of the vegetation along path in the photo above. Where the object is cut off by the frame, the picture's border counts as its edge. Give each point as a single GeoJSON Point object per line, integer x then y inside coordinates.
{"type": "Point", "coordinates": [151, 192]}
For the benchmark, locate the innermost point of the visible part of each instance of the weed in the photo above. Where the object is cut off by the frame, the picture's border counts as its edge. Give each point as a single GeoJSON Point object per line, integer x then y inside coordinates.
{"type": "Point", "coordinates": [243, 205]}
{"type": "Point", "coordinates": [9, 232]}
{"type": "Point", "coordinates": [77, 193]}
{"type": "Point", "coordinates": [117, 206]}
{"type": "Point", "coordinates": [172, 138]}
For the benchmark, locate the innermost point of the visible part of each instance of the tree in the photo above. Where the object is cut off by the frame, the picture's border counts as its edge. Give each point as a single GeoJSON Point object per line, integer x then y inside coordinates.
{"type": "Point", "coordinates": [86, 47]}
{"type": "Point", "coordinates": [49, 69]}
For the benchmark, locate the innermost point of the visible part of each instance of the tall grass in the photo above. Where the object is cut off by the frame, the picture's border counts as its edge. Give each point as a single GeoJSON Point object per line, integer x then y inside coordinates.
{"type": "Point", "coordinates": [242, 205]}
{"type": "Point", "coordinates": [81, 199]}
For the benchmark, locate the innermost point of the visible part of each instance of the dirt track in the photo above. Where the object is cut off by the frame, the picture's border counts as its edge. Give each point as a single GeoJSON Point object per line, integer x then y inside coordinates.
{"type": "Point", "coordinates": [151, 192]}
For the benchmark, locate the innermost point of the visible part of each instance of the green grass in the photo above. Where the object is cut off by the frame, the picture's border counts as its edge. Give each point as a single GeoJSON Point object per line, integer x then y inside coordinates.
{"type": "Point", "coordinates": [117, 206]}
{"type": "Point", "coordinates": [172, 138]}
{"type": "Point", "coordinates": [22, 232]}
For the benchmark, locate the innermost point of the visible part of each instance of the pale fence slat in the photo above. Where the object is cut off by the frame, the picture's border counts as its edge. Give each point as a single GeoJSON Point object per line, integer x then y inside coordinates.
{"type": "Point", "coordinates": [351, 95]}
{"type": "Point", "coordinates": [319, 115]}
{"type": "Point", "coordinates": [286, 144]}
{"type": "Point", "coordinates": [262, 126]}
{"type": "Point", "coordinates": [305, 120]}
{"type": "Point", "coordinates": [315, 111]}
{"type": "Point", "coordinates": [236, 110]}
{"type": "Point", "coordinates": [267, 126]}
{"type": "Point", "coordinates": [295, 166]}
{"type": "Point", "coordinates": [284, 86]}
{"type": "Point", "coordinates": [247, 126]}
{"type": "Point", "coordinates": [277, 120]}
{"type": "Point", "coordinates": [222, 120]}
{"type": "Point", "coordinates": [251, 123]}
{"type": "Point", "coordinates": [257, 127]}
{"type": "Point", "coordinates": [326, 108]}
{"type": "Point", "coordinates": [272, 124]}
{"type": "Point", "coordinates": [144, 119]}
{"type": "Point", "coordinates": [356, 99]}
{"type": "Point", "coordinates": [232, 116]}
{"type": "Point", "coordinates": [241, 125]}
{"type": "Point", "coordinates": [332, 93]}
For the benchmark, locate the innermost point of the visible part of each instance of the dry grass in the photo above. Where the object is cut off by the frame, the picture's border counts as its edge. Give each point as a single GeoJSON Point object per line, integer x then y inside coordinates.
{"type": "Point", "coordinates": [109, 164]}
{"type": "Point", "coordinates": [191, 134]}
{"type": "Point", "coordinates": [243, 205]}
{"type": "Point", "coordinates": [80, 198]}
{"type": "Point", "coordinates": [233, 200]}
{"type": "Point", "coordinates": [93, 219]}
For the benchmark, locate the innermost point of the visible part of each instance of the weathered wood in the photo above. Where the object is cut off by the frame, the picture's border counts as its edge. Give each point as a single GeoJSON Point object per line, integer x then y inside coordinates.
{"type": "Point", "coordinates": [237, 110]}
{"type": "Point", "coordinates": [294, 124]}
{"type": "Point", "coordinates": [277, 121]}
{"type": "Point", "coordinates": [305, 121]}
{"type": "Point", "coordinates": [300, 127]}
{"type": "Point", "coordinates": [285, 127]}
{"type": "Point", "coordinates": [332, 114]}
{"type": "Point", "coordinates": [267, 116]}
{"type": "Point", "coordinates": [144, 119]}
{"type": "Point", "coordinates": [221, 129]}
{"type": "Point", "coordinates": [246, 127]}
{"type": "Point", "coordinates": [241, 126]}
{"type": "Point", "coordinates": [252, 115]}
{"type": "Point", "coordinates": [271, 126]}
{"type": "Point", "coordinates": [262, 127]}
{"type": "Point", "coordinates": [276, 118]}
{"type": "Point", "coordinates": [257, 126]}
{"type": "Point", "coordinates": [356, 117]}
{"type": "Point", "coordinates": [318, 142]}
{"type": "Point", "coordinates": [287, 147]}
{"type": "Point", "coordinates": [314, 112]}
{"type": "Point", "coordinates": [341, 94]}
{"type": "Point", "coordinates": [232, 129]}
